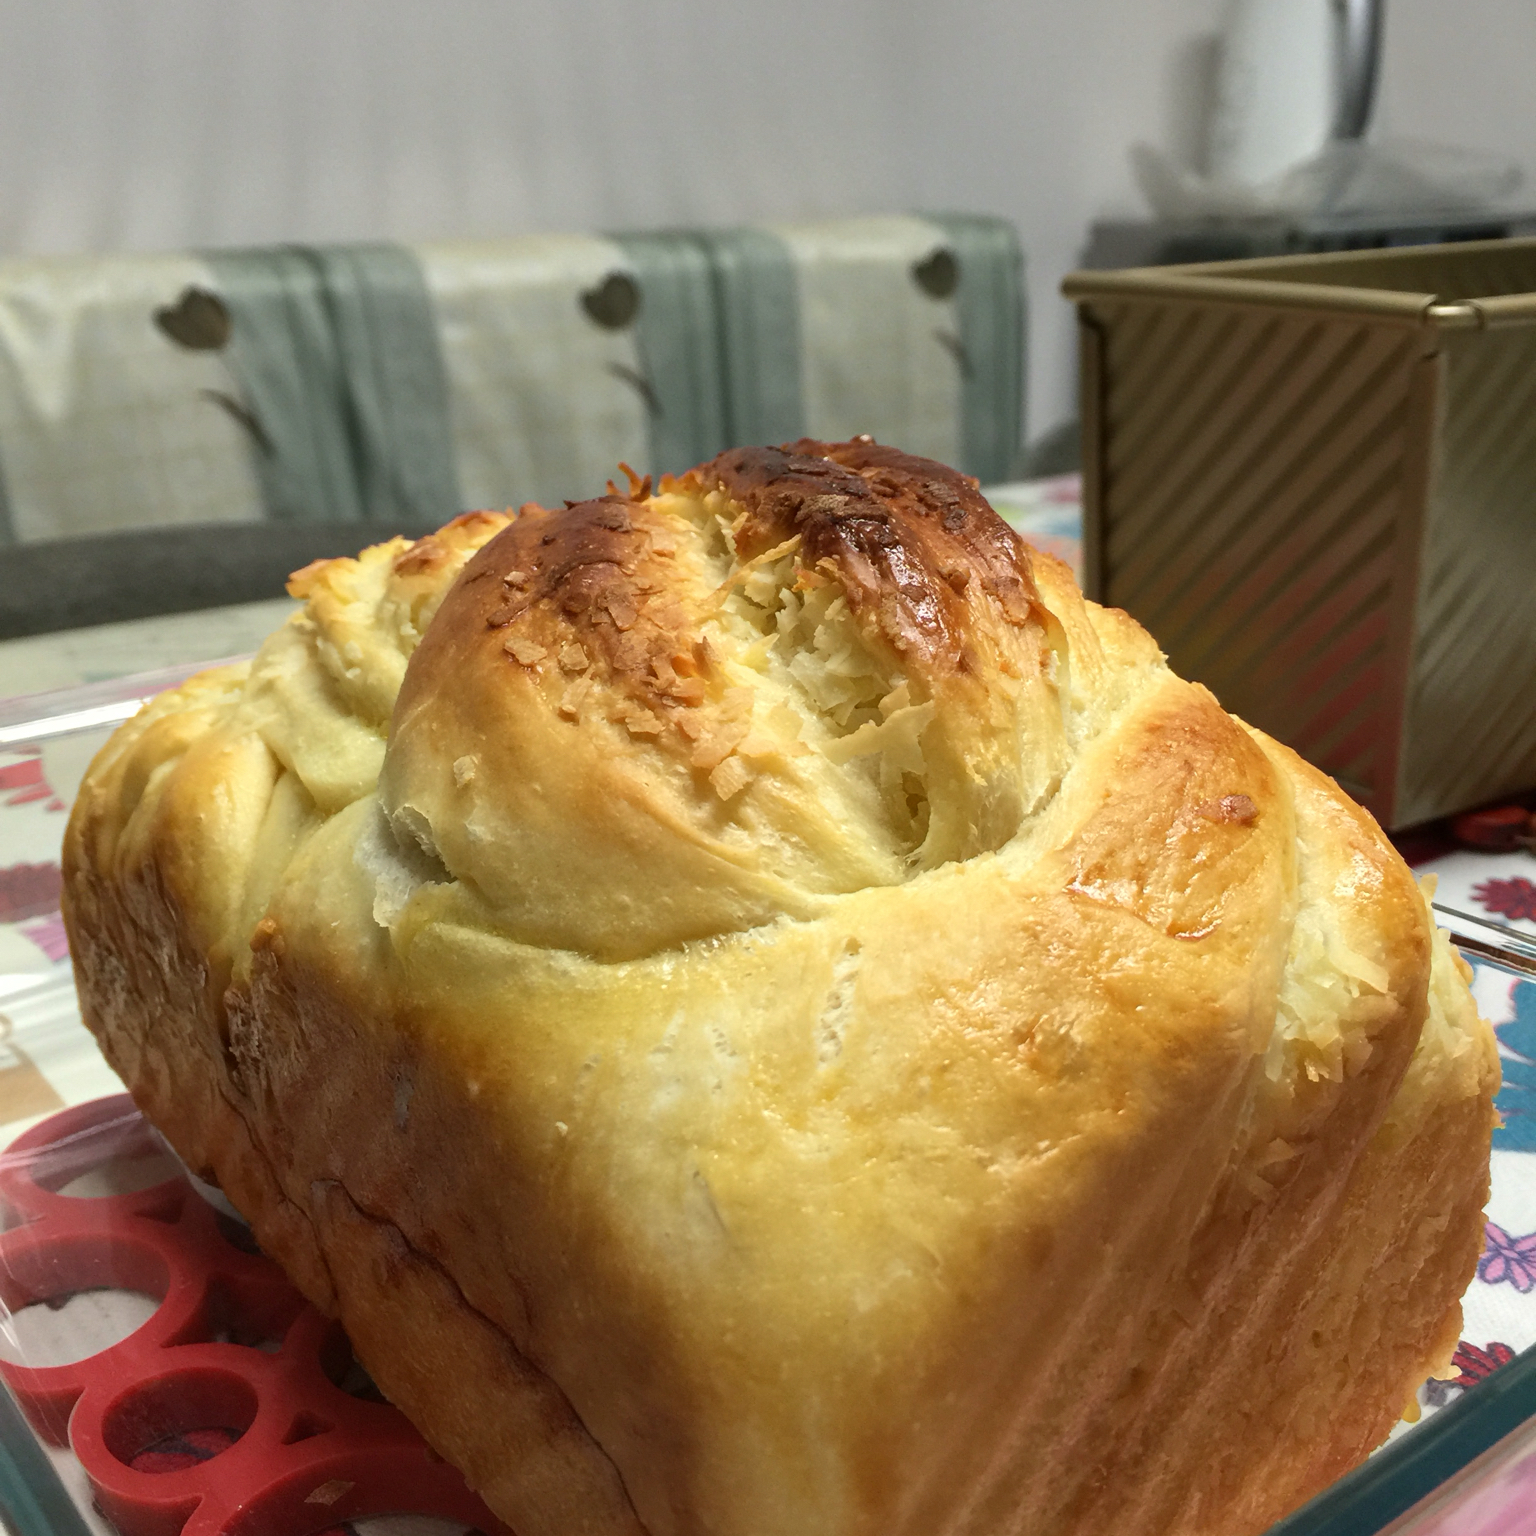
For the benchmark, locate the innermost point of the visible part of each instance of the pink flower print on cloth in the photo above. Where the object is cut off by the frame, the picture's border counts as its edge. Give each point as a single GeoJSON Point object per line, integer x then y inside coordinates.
{"type": "Point", "coordinates": [1508, 1259]}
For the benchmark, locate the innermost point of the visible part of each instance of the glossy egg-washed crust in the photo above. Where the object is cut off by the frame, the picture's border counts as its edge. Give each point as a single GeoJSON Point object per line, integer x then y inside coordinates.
{"type": "Point", "coordinates": [767, 1015]}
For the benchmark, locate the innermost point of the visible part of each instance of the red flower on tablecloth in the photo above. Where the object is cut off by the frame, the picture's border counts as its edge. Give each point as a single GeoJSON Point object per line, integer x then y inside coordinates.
{"type": "Point", "coordinates": [1476, 1364]}
{"type": "Point", "coordinates": [29, 890]}
{"type": "Point", "coordinates": [1514, 898]}
{"type": "Point", "coordinates": [1508, 1258]}
{"type": "Point", "coordinates": [1472, 1366]}
{"type": "Point", "coordinates": [23, 782]}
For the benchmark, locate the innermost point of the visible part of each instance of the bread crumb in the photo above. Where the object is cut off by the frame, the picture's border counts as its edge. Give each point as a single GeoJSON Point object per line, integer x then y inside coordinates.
{"type": "Point", "coordinates": [785, 722]}
{"type": "Point", "coordinates": [420, 556]}
{"type": "Point", "coordinates": [730, 777]}
{"type": "Point", "coordinates": [1238, 809]}
{"type": "Point", "coordinates": [641, 722]}
{"type": "Point", "coordinates": [573, 658]}
{"type": "Point", "coordinates": [719, 744]}
{"type": "Point", "coordinates": [328, 1493]}
{"type": "Point", "coordinates": [525, 650]}
{"type": "Point", "coordinates": [755, 744]}
{"type": "Point", "coordinates": [268, 937]}
{"type": "Point", "coordinates": [1357, 1051]}
{"type": "Point", "coordinates": [1257, 1186]}
{"type": "Point", "coordinates": [464, 769]}
{"type": "Point", "coordinates": [621, 611]}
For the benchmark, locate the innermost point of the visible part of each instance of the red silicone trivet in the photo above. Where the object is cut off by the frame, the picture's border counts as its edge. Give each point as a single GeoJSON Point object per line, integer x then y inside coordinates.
{"type": "Point", "coordinates": [228, 1412]}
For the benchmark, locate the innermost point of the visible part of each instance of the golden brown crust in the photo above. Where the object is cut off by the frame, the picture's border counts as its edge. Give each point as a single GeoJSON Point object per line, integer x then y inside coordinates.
{"type": "Point", "coordinates": [718, 726]}
{"type": "Point", "coordinates": [906, 536]}
{"type": "Point", "coordinates": [765, 1172]}
{"type": "Point", "coordinates": [584, 594]}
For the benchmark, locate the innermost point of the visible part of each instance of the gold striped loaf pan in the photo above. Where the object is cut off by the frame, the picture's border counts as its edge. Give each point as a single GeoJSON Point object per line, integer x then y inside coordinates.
{"type": "Point", "coordinates": [1313, 479]}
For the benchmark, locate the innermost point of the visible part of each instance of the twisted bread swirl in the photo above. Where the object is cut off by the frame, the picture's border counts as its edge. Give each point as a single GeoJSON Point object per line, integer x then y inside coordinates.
{"type": "Point", "coordinates": [789, 677]}
{"type": "Point", "coordinates": [803, 1026]}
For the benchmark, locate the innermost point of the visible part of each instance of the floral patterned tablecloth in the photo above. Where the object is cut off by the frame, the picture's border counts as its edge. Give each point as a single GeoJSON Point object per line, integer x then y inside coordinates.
{"type": "Point", "coordinates": [1500, 1306]}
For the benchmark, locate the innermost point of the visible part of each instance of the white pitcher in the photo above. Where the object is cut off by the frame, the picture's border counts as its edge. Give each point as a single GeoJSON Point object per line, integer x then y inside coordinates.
{"type": "Point", "coordinates": [1293, 75]}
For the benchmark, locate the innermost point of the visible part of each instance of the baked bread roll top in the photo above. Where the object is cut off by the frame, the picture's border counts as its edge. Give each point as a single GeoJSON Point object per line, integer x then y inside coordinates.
{"type": "Point", "coordinates": [793, 674]}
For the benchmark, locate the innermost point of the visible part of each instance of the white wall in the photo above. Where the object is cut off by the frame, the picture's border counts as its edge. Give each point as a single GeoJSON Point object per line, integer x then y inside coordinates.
{"type": "Point", "coordinates": [1463, 72]}
{"type": "Point", "coordinates": [157, 123]}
